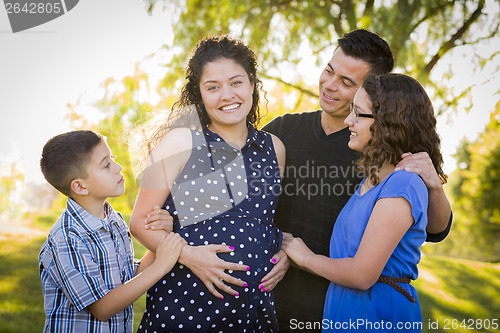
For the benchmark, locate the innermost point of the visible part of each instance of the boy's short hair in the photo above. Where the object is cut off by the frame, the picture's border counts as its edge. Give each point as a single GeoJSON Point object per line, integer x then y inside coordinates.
{"type": "Point", "coordinates": [65, 158]}
{"type": "Point", "coordinates": [368, 46]}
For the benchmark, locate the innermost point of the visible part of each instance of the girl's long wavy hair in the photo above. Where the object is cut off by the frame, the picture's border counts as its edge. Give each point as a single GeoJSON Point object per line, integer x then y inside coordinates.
{"type": "Point", "coordinates": [404, 122]}
{"type": "Point", "coordinates": [189, 110]}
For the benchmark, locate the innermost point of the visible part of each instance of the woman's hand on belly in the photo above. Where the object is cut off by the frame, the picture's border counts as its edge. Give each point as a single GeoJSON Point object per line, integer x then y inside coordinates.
{"type": "Point", "coordinates": [281, 264]}
{"type": "Point", "coordinates": [210, 269]}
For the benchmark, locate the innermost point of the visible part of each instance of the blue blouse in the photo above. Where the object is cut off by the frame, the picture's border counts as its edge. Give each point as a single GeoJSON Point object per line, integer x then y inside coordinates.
{"type": "Point", "coordinates": [380, 308]}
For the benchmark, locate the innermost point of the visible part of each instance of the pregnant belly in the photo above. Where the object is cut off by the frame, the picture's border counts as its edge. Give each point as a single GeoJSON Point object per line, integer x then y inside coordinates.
{"type": "Point", "coordinates": [255, 243]}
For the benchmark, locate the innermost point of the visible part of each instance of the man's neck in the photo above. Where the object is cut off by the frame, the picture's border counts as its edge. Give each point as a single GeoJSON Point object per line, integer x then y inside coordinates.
{"type": "Point", "coordinates": [331, 124]}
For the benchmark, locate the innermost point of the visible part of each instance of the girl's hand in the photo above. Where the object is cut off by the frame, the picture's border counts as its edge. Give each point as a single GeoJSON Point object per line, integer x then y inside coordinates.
{"type": "Point", "coordinates": [159, 219]}
{"type": "Point", "coordinates": [296, 249]}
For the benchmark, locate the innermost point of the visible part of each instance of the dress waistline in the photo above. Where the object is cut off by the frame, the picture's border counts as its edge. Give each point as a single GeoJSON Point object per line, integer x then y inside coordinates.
{"type": "Point", "coordinates": [393, 282]}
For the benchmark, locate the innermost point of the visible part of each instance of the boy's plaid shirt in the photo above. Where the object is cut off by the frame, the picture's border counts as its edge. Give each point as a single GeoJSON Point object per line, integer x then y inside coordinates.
{"type": "Point", "coordinates": [82, 259]}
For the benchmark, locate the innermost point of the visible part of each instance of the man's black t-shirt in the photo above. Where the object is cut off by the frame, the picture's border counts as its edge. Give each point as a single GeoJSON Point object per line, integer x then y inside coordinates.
{"type": "Point", "coordinates": [318, 181]}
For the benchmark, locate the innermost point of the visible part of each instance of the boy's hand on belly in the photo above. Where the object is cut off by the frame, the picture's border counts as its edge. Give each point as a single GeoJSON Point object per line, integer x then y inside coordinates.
{"type": "Point", "coordinates": [210, 269]}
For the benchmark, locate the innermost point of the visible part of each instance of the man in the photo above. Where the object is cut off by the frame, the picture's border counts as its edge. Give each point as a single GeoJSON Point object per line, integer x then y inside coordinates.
{"type": "Point", "coordinates": [320, 176]}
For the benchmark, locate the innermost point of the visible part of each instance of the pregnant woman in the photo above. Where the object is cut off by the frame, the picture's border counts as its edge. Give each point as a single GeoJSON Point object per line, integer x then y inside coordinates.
{"type": "Point", "coordinates": [219, 178]}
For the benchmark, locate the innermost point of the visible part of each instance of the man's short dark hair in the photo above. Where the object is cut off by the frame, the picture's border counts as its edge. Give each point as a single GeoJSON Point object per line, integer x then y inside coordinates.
{"type": "Point", "coordinates": [65, 158]}
{"type": "Point", "coordinates": [368, 46]}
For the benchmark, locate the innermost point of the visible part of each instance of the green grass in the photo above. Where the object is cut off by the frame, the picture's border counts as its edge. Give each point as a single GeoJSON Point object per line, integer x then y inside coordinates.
{"type": "Point", "coordinates": [459, 292]}
{"type": "Point", "coordinates": [21, 299]}
{"type": "Point", "coordinates": [450, 291]}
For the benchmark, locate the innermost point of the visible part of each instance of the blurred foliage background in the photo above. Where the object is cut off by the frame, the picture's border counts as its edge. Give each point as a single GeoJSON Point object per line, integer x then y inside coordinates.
{"type": "Point", "coordinates": [287, 36]}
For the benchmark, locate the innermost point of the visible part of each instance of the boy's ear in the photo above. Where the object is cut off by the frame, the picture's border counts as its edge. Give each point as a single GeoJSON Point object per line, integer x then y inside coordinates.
{"type": "Point", "coordinates": [78, 187]}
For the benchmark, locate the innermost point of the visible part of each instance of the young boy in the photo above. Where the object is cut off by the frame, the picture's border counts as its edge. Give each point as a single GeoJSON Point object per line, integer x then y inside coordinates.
{"type": "Point", "coordinates": [87, 262]}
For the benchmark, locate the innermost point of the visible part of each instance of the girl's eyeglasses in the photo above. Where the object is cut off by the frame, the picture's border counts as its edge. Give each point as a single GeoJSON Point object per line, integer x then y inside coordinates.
{"type": "Point", "coordinates": [356, 114]}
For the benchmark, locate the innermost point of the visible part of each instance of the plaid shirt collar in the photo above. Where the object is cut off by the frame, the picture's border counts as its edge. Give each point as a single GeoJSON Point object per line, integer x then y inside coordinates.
{"type": "Point", "coordinates": [90, 222]}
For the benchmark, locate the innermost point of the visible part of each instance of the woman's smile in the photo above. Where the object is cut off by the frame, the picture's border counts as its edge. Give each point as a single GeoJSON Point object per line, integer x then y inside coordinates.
{"type": "Point", "coordinates": [231, 107]}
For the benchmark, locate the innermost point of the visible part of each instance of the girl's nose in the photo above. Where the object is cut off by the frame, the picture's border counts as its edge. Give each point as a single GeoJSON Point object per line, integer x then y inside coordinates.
{"type": "Point", "coordinates": [349, 120]}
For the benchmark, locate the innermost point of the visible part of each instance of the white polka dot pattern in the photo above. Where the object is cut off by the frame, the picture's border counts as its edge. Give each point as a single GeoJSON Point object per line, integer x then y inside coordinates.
{"type": "Point", "coordinates": [233, 202]}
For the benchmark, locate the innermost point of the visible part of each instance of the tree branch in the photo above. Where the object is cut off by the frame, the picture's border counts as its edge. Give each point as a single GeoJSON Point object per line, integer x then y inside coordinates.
{"type": "Point", "coordinates": [350, 12]}
{"type": "Point", "coordinates": [430, 13]}
{"type": "Point", "coordinates": [283, 4]}
{"type": "Point", "coordinates": [299, 101]}
{"type": "Point", "coordinates": [458, 35]}
{"type": "Point", "coordinates": [337, 21]}
{"type": "Point", "coordinates": [368, 8]}
{"type": "Point", "coordinates": [452, 103]}
{"type": "Point", "coordinates": [318, 50]}
{"type": "Point", "coordinates": [301, 89]}
{"type": "Point", "coordinates": [494, 33]}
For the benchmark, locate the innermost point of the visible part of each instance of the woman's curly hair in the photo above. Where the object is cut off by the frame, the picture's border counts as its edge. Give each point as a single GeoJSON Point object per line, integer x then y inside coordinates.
{"type": "Point", "coordinates": [189, 110]}
{"type": "Point", "coordinates": [404, 122]}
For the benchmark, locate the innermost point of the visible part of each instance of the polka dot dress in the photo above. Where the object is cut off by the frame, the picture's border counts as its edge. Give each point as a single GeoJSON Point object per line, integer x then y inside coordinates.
{"type": "Point", "coordinates": [222, 196]}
